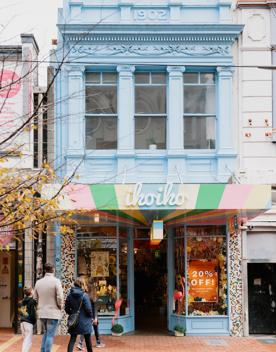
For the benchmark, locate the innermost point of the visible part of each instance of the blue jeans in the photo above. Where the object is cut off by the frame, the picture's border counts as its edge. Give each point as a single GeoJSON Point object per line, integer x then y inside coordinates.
{"type": "Point", "coordinates": [50, 327]}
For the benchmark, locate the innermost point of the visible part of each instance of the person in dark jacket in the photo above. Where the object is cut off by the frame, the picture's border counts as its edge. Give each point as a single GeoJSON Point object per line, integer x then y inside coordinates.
{"type": "Point", "coordinates": [27, 318]}
{"type": "Point", "coordinates": [75, 298]}
{"type": "Point", "coordinates": [92, 293]}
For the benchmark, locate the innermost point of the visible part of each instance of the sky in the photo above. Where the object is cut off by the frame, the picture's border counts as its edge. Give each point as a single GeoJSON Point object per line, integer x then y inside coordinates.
{"type": "Point", "coordinates": [29, 16]}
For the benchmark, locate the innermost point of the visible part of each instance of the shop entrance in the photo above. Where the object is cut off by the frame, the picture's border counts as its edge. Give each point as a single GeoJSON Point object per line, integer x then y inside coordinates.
{"type": "Point", "coordinates": [150, 281]}
{"type": "Point", "coordinates": [262, 298]}
{"type": "Point", "coordinates": [7, 289]}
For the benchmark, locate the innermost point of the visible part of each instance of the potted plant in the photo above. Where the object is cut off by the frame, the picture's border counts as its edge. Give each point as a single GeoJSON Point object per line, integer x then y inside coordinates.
{"type": "Point", "coordinates": [179, 330]}
{"type": "Point", "coordinates": [117, 330]}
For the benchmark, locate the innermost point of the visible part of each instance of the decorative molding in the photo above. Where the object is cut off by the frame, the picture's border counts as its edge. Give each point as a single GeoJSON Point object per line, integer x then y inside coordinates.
{"type": "Point", "coordinates": [151, 50]}
{"type": "Point", "coordinates": [256, 27]}
{"type": "Point", "coordinates": [150, 37]}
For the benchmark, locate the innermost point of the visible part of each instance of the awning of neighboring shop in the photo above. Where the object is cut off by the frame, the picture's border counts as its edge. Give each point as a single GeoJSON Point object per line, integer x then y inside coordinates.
{"type": "Point", "coordinates": [141, 203]}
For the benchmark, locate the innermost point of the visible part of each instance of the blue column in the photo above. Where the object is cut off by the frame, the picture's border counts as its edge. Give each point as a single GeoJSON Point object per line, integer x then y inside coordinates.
{"type": "Point", "coordinates": [57, 250]}
{"type": "Point", "coordinates": [225, 118]}
{"type": "Point", "coordinates": [175, 125]}
{"type": "Point", "coordinates": [125, 124]}
{"type": "Point", "coordinates": [175, 109]}
{"type": "Point", "coordinates": [76, 110]}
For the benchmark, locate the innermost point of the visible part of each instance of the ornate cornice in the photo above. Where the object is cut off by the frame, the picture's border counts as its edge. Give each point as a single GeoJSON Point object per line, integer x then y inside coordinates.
{"type": "Point", "coordinates": [134, 50]}
{"type": "Point", "coordinates": [151, 33]}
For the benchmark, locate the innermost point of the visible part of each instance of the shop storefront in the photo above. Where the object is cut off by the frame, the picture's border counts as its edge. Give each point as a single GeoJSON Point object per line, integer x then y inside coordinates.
{"type": "Point", "coordinates": [171, 252]}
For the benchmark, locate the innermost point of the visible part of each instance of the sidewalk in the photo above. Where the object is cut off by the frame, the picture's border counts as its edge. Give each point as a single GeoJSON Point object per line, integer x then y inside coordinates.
{"type": "Point", "coordinates": [12, 343]}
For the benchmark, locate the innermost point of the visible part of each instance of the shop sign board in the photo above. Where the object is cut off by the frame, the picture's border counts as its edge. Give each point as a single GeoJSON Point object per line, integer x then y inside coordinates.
{"type": "Point", "coordinates": [149, 196]}
{"type": "Point", "coordinates": [203, 280]}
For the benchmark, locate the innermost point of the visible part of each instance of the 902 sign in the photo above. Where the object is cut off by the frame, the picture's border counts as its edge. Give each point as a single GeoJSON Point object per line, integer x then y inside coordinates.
{"type": "Point", "coordinates": [152, 15]}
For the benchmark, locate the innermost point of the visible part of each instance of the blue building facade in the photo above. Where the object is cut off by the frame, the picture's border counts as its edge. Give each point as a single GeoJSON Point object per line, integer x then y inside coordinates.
{"type": "Point", "coordinates": [144, 102]}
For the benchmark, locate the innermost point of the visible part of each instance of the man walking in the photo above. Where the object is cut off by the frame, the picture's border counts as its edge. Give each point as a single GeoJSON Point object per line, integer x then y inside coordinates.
{"type": "Point", "coordinates": [48, 293]}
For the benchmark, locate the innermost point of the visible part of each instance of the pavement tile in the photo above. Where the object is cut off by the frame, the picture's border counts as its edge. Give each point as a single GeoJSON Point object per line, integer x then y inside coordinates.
{"type": "Point", "coordinates": [148, 343]}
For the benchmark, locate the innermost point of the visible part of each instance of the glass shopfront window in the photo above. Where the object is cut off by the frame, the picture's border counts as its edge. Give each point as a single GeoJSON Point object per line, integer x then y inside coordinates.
{"type": "Point", "coordinates": [100, 257]}
{"type": "Point", "coordinates": [207, 270]}
{"type": "Point", "coordinates": [200, 257]}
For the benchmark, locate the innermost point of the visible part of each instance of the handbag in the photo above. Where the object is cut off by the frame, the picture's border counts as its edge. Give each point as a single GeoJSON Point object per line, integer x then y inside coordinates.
{"type": "Point", "coordinates": [73, 319]}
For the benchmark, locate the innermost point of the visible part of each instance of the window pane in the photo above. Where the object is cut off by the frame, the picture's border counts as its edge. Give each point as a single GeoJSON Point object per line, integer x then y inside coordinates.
{"type": "Point", "coordinates": [179, 265]}
{"type": "Point", "coordinates": [191, 77]}
{"type": "Point", "coordinates": [109, 77]}
{"type": "Point", "coordinates": [150, 100]}
{"type": "Point", "coordinates": [150, 131]}
{"type": "Point", "coordinates": [93, 77]}
{"type": "Point", "coordinates": [199, 99]}
{"type": "Point", "coordinates": [142, 78]}
{"type": "Point", "coordinates": [199, 132]}
{"type": "Point", "coordinates": [158, 78]}
{"type": "Point", "coordinates": [101, 132]}
{"type": "Point", "coordinates": [207, 270]}
{"type": "Point", "coordinates": [101, 100]}
{"type": "Point", "coordinates": [207, 78]}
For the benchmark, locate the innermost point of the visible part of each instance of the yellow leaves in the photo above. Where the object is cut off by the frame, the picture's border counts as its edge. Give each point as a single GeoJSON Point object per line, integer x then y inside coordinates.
{"type": "Point", "coordinates": [22, 205]}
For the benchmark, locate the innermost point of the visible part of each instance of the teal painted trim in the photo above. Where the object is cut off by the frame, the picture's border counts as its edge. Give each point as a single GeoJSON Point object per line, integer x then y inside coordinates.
{"type": "Point", "coordinates": [105, 324]}
{"type": "Point", "coordinates": [207, 326]}
{"type": "Point", "coordinates": [118, 292]}
{"type": "Point", "coordinates": [170, 274]}
{"type": "Point", "coordinates": [177, 320]}
{"type": "Point", "coordinates": [186, 269]}
{"type": "Point", "coordinates": [130, 276]}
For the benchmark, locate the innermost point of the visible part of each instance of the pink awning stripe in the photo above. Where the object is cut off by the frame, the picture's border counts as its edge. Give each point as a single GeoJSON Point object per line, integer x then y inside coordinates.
{"type": "Point", "coordinates": [80, 197]}
{"type": "Point", "coordinates": [235, 196]}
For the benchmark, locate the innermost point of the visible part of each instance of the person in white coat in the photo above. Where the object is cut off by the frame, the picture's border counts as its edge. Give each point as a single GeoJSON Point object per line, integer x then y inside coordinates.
{"type": "Point", "coordinates": [48, 293]}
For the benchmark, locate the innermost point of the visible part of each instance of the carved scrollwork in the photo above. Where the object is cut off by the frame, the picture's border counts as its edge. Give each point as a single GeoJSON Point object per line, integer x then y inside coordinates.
{"type": "Point", "coordinates": [151, 50]}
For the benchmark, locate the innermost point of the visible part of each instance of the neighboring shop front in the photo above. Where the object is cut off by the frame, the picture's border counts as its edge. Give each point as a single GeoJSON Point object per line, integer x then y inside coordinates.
{"type": "Point", "coordinates": [259, 258]}
{"type": "Point", "coordinates": [11, 282]}
{"type": "Point", "coordinates": [172, 252]}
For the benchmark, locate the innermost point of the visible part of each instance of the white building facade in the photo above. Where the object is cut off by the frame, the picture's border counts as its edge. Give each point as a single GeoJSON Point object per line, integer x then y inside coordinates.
{"type": "Point", "coordinates": [256, 87]}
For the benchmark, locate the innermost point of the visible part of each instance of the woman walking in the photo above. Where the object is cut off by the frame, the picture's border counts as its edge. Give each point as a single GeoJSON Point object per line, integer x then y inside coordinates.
{"type": "Point", "coordinates": [92, 292]}
{"type": "Point", "coordinates": [27, 318]}
{"type": "Point", "coordinates": [78, 299]}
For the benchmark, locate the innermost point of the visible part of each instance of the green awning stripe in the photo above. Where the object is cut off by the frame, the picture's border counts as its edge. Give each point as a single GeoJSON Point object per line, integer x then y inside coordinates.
{"type": "Point", "coordinates": [209, 196]}
{"type": "Point", "coordinates": [104, 196]}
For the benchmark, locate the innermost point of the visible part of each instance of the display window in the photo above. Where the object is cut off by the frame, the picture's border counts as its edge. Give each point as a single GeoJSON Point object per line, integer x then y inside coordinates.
{"type": "Point", "coordinates": [207, 270]}
{"type": "Point", "coordinates": [102, 255]}
{"type": "Point", "coordinates": [200, 259]}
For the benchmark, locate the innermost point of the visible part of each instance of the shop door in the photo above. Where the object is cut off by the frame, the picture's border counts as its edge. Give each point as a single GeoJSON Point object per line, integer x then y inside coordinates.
{"type": "Point", "coordinates": [262, 298]}
{"type": "Point", "coordinates": [6, 289]}
{"type": "Point", "coordinates": [150, 280]}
